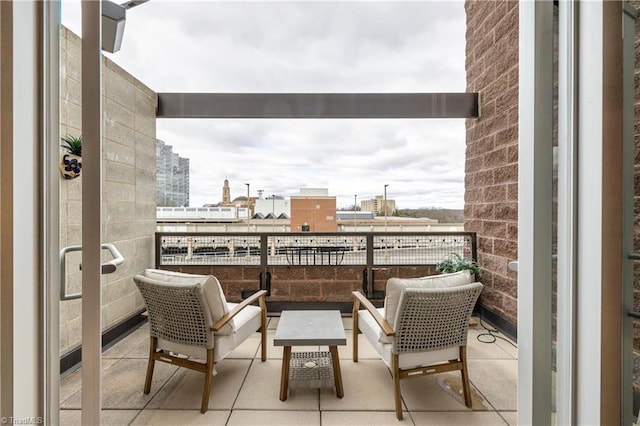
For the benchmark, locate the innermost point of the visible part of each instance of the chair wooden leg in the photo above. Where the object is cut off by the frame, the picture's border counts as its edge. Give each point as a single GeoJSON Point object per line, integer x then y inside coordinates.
{"type": "Point", "coordinates": [284, 377]}
{"type": "Point", "coordinates": [395, 370]}
{"type": "Point", "coordinates": [263, 330]}
{"type": "Point", "coordinates": [356, 331]}
{"type": "Point", "coordinates": [152, 350]}
{"type": "Point", "coordinates": [207, 382]}
{"type": "Point", "coordinates": [337, 374]}
{"type": "Point", "coordinates": [465, 377]}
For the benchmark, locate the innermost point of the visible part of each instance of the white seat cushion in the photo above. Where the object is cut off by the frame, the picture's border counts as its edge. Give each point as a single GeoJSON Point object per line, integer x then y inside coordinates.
{"type": "Point", "coordinates": [211, 289]}
{"type": "Point", "coordinates": [396, 285]}
{"type": "Point", "coordinates": [371, 330]}
{"type": "Point", "coordinates": [248, 321]}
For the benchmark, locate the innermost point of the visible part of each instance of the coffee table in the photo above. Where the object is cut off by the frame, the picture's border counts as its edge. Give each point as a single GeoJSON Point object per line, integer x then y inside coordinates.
{"type": "Point", "coordinates": [310, 328]}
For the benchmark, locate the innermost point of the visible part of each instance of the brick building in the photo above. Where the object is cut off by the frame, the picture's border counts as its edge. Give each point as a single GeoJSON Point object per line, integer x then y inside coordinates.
{"type": "Point", "coordinates": [314, 211]}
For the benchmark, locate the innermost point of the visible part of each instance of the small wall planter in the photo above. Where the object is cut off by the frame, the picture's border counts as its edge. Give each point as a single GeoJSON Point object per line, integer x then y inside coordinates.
{"type": "Point", "coordinates": [71, 164]}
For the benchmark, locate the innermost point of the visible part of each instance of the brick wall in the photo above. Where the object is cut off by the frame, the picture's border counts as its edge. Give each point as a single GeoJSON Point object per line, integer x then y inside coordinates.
{"type": "Point", "coordinates": [129, 187]}
{"type": "Point", "coordinates": [491, 168]}
{"type": "Point", "coordinates": [318, 213]}
{"type": "Point", "coordinates": [302, 283]}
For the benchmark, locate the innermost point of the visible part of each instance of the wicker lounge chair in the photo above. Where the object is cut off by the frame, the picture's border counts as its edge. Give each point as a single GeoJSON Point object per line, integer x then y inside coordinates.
{"type": "Point", "coordinates": [193, 326]}
{"type": "Point", "coordinates": [428, 333]}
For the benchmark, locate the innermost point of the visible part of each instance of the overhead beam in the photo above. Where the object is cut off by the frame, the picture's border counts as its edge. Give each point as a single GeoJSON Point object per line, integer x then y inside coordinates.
{"type": "Point", "coordinates": [317, 105]}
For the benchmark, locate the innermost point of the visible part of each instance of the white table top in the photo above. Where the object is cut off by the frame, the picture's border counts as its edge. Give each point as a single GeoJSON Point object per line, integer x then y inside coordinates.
{"type": "Point", "coordinates": [307, 328]}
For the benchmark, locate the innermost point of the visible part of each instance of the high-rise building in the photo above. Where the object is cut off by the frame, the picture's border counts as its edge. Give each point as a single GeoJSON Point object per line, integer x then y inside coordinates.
{"type": "Point", "coordinates": [377, 206]}
{"type": "Point", "coordinates": [172, 177]}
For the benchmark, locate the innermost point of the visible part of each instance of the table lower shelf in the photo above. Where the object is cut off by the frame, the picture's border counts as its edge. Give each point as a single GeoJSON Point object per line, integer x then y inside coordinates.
{"type": "Point", "coordinates": [311, 370]}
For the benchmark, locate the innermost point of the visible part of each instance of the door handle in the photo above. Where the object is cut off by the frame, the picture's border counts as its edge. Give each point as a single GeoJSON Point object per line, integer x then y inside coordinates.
{"type": "Point", "coordinates": [107, 267]}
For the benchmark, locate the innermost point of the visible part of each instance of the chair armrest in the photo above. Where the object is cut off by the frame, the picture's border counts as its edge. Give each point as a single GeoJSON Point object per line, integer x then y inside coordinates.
{"type": "Point", "coordinates": [360, 299]}
{"type": "Point", "coordinates": [260, 294]}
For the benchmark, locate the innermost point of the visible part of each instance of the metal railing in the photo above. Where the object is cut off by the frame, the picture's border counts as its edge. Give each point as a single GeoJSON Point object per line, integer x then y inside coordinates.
{"type": "Point", "coordinates": [319, 249]}
{"type": "Point", "coordinates": [371, 250]}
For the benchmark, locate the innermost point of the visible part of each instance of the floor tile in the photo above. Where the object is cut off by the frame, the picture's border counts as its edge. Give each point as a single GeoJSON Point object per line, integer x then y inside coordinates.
{"type": "Point", "coordinates": [347, 324]}
{"type": "Point", "coordinates": [477, 349]}
{"type": "Point", "coordinates": [248, 349]}
{"type": "Point", "coordinates": [440, 392]}
{"type": "Point", "coordinates": [273, 323]}
{"type": "Point", "coordinates": [367, 386]}
{"type": "Point", "coordinates": [108, 417]}
{"type": "Point", "coordinates": [496, 380]}
{"type": "Point", "coordinates": [509, 346]}
{"type": "Point", "coordinates": [72, 383]}
{"type": "Point", "coordinates": [123, 383]}
{"type": "Point", "coordinates": [181, 417]}
{"type": "Point", "coordinates": [137, 341]}
{"type": "Point", "coordinates": [501, 340]}
{"type": "Point", "coordinates": [261, 390]}
{"type": "Point", "coordinates": [365, 349]}
{"type": "Point", "coordinates": [184, 388]}
{"type": "Point", "coordinates": [276, 418]}
{"type": "Point", "coordinates": [511, 417]}
{"type": "Point", "coordinates": [457, 418]}
{"type": "Point", "coordinates": [362, 418]}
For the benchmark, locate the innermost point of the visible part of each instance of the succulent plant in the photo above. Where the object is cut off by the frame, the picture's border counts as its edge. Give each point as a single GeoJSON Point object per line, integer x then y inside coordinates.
{"type": "Point", "coordinates": [73, 144]}
{"type": "Point", "coordinates": [454, 263]}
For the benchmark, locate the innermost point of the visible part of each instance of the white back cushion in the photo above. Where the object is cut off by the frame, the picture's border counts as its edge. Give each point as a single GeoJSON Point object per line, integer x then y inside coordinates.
{"type": "Point", "coordinates": [396, 285]}
{"type": "Point", "coordinates": [210, 287]}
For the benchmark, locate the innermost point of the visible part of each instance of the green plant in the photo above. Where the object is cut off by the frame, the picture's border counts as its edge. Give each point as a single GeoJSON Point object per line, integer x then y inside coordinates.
{"type": "Point", "coordinates": [73, 144]}
{"type": "Point", "coordinates": [454, 263]}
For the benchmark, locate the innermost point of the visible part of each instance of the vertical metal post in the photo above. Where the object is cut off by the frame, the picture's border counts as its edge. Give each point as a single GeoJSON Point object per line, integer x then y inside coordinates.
{"type": "Point", "coordinates": [264, 258]}
{"type": "Point", "coordinates": [535, 212]}
{"type": "Point", "coordinates": [158, 253]}
{"type": "Point", "coordinates": [370, 265]}
{"type": "Point", "coordinates": [91, 211]}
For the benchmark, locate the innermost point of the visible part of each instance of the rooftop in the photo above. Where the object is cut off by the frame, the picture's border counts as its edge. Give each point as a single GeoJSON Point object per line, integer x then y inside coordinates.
{"type": "Point", "coordinates": [245, 390]}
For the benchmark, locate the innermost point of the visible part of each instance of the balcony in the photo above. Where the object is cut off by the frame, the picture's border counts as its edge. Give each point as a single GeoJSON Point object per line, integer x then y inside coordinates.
{"type": "Point", "coordinates": [245, 390]}
{"type": "Point", "coordinates": [301, 270]}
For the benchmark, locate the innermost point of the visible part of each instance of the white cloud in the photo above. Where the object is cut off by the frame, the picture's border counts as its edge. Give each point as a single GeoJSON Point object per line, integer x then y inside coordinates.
{"type": "Point", "coordinates": [346, 46]}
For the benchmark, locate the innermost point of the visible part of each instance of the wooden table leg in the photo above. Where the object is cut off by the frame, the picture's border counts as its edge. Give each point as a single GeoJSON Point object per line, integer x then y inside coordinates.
{"type": "Point", "coordinates": [284, 380]}
{"type": "Point", "coordinates": [337, 375]}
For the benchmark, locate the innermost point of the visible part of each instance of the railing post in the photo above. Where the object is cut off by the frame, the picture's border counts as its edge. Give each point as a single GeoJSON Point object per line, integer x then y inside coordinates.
{"type": "Point", "coordinates": [369, 266]}
{"type": "Point", "coordinates": [158, 249]}
{"type": "Point", "coordinates": [263, 260]}
{"type": "Point", "coordinates": [474, 247]}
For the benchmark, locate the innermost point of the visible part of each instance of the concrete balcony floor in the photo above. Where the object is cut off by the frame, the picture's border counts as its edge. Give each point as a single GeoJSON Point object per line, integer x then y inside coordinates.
{"type": "Point", "coordinates": [245, 390]}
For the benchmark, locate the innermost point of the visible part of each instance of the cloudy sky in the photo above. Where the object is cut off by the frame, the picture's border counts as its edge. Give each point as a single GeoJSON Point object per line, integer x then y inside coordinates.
{"type": "Point", "coordinates": [305, 47]}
